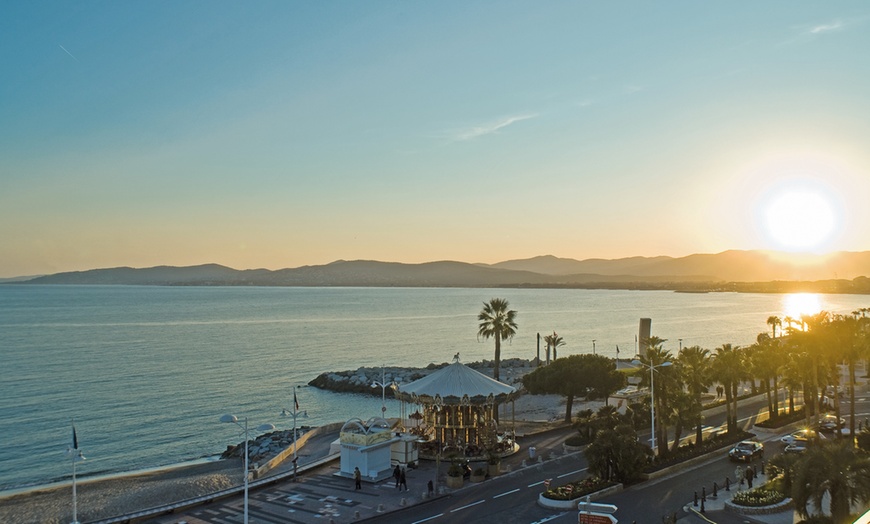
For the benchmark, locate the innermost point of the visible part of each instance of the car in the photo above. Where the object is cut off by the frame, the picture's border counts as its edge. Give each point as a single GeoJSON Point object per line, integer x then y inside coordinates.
{"type": "Point", "coordinates": [801, 434]}
{"type": "Point", "coordinates": [798, 446]}
{"type": "Point", "coordinates": [746, 451]}
{"type": "Point", "coordinates": [829, 423]}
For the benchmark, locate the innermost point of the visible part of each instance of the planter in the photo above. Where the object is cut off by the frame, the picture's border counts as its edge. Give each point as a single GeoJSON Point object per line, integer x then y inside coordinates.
{"type": "Point", "coordinates": [493, 469]}
{"type": "Point", "coordinates": [785, 505]}
{"type": "Point", "coordinates": [478, 478]}
{"type": "Point", "coordinates": [454, 482]}
{"type": "Point", "coordinates": [572, 504]}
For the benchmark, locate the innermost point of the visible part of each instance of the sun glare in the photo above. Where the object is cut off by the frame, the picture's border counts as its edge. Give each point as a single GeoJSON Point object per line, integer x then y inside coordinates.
{"type": "Point", "coordinates": [800, 220]}
{"type": "Point", "coordinates": [796, 305]}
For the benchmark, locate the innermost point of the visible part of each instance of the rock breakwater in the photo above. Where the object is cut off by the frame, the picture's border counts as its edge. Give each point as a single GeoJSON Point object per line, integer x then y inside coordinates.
{"type": "Point", "coordinates": [265, 447]}
{"type": "Point", "coordinates": [361, 379]}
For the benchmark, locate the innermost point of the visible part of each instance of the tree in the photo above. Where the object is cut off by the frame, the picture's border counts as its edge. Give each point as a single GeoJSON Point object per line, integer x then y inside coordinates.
{"type": "Point", "coordinates": [728, 370]}
{"type": "Point", "coordinates": [615, 454]}
{"type": "Point", "coordinates": [553, 341]}
{"type": "Point", "coordinates": [836, 469]}
{"type": "Point", "coordinates": [773, 322]}
{"type": "Point", "coordinates": [498, 322]}
{"type": "Point", "coordinates": [590, 376]}
{"type": "Point", "coordinates": [695, 366]}
{"type": "Point", "coordinates": [666, 381]}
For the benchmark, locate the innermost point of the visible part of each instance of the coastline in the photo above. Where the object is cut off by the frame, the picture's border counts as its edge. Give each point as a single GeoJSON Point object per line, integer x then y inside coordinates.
{"type": "Point", "coordinates": [113, 495]}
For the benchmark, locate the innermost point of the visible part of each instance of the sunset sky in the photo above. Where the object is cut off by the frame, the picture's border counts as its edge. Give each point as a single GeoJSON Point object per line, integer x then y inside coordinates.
{"type": "Point", "coordinates": [281, 134]}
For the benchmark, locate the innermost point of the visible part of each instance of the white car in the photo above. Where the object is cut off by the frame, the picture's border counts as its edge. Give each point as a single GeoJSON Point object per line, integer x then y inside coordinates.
{"type": "Point", "coordinates": [801, 434]}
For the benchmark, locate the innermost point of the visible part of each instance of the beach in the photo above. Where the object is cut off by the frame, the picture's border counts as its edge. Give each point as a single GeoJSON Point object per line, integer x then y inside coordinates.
{"type": "Point", "coordinates": [109, 497]}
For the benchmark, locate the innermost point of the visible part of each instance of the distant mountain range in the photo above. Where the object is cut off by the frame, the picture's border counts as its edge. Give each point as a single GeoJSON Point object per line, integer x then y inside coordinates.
{"type": "Point", "coordinates": [844, 272]}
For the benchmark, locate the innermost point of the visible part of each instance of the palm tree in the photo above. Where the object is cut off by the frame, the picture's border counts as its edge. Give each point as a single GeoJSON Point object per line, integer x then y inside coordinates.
{"type": "Point", "coordinates": [498, 322]}
{"type": "Point", "coordinates": [836, 469]}
{"type": "Point", "coordinates": [553, 341]}
{"type": "Point", "coordinates": [773, 322]}
{"type": "Point", "coordinates": [665, 382]}
{"type": "Point", "coordinates": [695, 366]}
{"type": "Point", "coordinates": [728, 369]}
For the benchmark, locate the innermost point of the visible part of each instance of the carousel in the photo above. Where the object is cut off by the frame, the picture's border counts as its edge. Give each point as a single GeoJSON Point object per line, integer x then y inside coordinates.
{"type": "Point", "coordinates": [458, 413]}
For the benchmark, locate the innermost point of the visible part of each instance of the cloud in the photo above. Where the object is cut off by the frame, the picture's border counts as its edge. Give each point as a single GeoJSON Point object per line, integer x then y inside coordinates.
{"type": "Point", "coordinates": [490, 128]}
{"type": "Point", "coordinates": [826, 28]}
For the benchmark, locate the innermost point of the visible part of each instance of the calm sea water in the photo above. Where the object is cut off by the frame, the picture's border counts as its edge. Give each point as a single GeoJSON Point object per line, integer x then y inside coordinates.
{"type": "Point", "coordinates": [147, 371]}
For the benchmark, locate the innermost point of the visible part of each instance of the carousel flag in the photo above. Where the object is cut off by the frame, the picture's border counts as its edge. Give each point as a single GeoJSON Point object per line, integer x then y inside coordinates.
{"type": "Point", "coordinates": [295, 402]}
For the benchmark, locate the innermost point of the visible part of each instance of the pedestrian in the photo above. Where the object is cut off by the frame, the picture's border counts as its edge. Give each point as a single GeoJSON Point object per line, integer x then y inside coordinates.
{"type": "Point", "coordinates": [357, 477]}
{"type": "Point", "coordinates": [431, 488]}
{"type": "Point", "coordinates": [738, 476]}
{"type": "Point", "coordinates": [750, 474]}
{"type": "Point", "coordinates": [396, 474]}
{"type": "Point", "coordinates": [403, 480]}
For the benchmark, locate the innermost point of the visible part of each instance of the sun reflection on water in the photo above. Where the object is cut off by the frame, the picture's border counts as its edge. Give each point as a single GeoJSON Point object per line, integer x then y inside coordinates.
{"type": "Point", "coordinates": [796, 305]}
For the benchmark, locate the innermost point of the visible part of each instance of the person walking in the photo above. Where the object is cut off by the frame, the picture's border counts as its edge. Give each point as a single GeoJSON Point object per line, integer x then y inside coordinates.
{"type": "Point", "coordinates": [357, 477]}
{"type": "Point", "coordinates": [750, 474]}
{"type": "Point", "coordinates": [403, 480]}
{"type": "Point", "coordinates": [397, 475]}
{"type": "Point", "coordinates": [431, 488]}
{"type": "Point", "coordinates": [738, 476]}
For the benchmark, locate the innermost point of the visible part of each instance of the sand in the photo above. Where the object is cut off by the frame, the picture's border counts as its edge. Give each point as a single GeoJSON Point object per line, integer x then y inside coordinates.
{"type": "Point", "coordinates": [106, 498]}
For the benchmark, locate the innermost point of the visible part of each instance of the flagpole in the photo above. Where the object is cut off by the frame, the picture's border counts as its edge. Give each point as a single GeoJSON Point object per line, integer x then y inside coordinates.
{"type": "Point", "coordinates": [75, 519]}
{"type": "Point", "coordinates": [75, 453]}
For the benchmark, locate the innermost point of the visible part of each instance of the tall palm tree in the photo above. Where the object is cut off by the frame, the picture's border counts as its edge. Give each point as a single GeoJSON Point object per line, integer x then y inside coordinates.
{"type": "Point", "coordinates": [773, 322]}
{"type": "Point", "coordinates": [498, 322]}
{"type": "Point", "coordinates": [728, 370]}
{"type": "Point", "coordinates": [553, 341]}
{"type": "Point", "coordinates": [665, 382]}
{"type": "Point", "coordinates": [836, 469]}
{"type": "Point", "coordinates": [695, 367]}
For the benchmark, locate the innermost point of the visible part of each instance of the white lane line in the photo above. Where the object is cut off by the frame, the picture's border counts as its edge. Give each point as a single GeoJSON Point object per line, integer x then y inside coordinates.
{"type": "Point", "coordinates": [566, 474]}
{"type": "Point", "coordinates": [530, 485]}
{"type": "Point", "coordinates": [506, 493]}
{"type": "Point", "coordinates": [465, 506]}
{"type": "Point", "coordinates": [429, 518]}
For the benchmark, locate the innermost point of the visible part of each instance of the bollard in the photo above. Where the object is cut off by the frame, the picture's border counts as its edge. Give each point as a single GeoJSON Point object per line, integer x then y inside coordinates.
{"type": "Point", "coordinates": [702, 506]}
{"type": "Point", "coordinates": [404, 502]}
{"type": "Point", "coordinates": [380, 508]}
{"type": "Point", "coordinates": [727, 483]}
{"type": "Point", "coordinates": [762, 466]}
{"type": "Point", "coordinates": [715, 490]}
{"type": "Point", "coordinates": [356, 515]}
{"type": "Point", "coordinates": [523, 464]}
{"type": "Point", "coordinates": [540, 459]}
{"type": "Point", "coordinates": [695, 503]}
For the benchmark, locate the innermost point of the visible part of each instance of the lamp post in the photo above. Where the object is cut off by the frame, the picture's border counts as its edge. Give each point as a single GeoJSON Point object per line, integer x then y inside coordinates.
{"type": "Point", "coordinates": [295, 412]}
{"type": "Point", "coordinates": [232, 419]}
{"type": "Point", "coordinates": [681, 343]}
{"type": "Point", "coordinates": [75, 454]}
{"type": "Point", "coordinates": [383, 384]}
{"type": "Point", "coordinates": [593, 346]}
{"type": "Point", "coordinates": [652, 397]}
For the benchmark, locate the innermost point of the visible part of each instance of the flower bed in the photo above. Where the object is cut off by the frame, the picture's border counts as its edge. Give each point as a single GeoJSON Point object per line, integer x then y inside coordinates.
{"type": "Point", "coordinates": [577, 489]}
{"type": "Point", "coordinates": [757, 497]}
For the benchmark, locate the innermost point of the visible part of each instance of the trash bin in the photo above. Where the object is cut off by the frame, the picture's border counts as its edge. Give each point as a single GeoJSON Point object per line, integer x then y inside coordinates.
{"type": "Point", "coordinates": [532, 452]}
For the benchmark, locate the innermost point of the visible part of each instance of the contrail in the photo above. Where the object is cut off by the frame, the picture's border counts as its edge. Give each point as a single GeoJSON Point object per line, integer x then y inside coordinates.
{"type": "Point", "coordinates": [67, 52]}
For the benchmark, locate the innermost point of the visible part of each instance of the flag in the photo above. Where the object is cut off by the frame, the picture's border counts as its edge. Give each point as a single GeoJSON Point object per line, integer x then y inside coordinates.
{"type": "Point", "coordinates": [617, 350]}
{"type": "Point", "coordinates": [75, 440]}
{"type": "Point", "coordinates": [295, 402]}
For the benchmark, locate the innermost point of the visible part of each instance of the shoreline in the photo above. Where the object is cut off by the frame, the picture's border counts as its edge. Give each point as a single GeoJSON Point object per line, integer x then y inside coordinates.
{"type": "Point", "coordinates": [103, 497]}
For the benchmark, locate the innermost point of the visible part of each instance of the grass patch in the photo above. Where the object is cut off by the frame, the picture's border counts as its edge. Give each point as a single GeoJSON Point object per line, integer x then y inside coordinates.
{"type": "Point", "coordinates": [757, 497]}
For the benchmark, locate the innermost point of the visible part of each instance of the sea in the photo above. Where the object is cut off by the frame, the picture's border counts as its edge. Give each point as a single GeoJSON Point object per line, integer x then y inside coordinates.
{"type": "Point", "coordinates": [145, 372]}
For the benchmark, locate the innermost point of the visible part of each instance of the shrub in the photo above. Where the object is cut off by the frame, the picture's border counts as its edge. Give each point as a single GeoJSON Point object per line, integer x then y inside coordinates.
{"type": "Point", "coordinates": [757, 497]}
{"type": "Point", "coordinates": [577, 489]}
{"type": "Point", "coordinates": [576, 440]}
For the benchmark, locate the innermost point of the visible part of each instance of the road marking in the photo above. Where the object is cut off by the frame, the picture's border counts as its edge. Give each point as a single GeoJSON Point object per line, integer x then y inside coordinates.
{"type": "Point", "coordinates": [506, 493]}
{"type": "Point", "coordinates": [547, 519]}
{"type": "Point", "coordinates": [463, 507]}
{"type": "Point", "coordinates": [428, 518]}
{"type": "Point", "coordinates": [535, 484]}
{"type": "Point", "coordinates": [571, 473]}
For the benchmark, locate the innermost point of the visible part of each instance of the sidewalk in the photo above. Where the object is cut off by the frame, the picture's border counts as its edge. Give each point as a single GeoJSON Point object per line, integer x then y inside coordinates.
{"type": "Point", "coordinates": [714, 508]}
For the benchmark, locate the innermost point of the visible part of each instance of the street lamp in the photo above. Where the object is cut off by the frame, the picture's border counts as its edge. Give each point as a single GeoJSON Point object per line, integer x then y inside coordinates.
{"type": "Point", "coordinates": [383, 384]}
{"type": "Point", "coordinates": [232, 419]}
{"type": "Point", "coordinates": [295, 412]}
{"type": "Point", "coordinates": [76, 455]}
{"type": "Point", "coordinates": [593, 346]}
{"type": "Point", "coordinates": [681, 343]}
{"type": "Point", "coordinates": [652, 396]}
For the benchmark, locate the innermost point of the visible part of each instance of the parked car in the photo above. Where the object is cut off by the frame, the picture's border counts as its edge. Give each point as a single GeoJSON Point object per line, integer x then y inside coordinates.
{"type": "Point", "coordinates": [801, 434]}
{"type": "Point", "coordinates": [746, 451]}
{"type": "Point", "coordinates": [798, 446]}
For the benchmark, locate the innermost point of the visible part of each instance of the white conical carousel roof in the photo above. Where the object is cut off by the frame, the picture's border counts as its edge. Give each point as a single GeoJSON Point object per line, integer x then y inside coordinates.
{"type": "Point", "coordinates": [455, 382]}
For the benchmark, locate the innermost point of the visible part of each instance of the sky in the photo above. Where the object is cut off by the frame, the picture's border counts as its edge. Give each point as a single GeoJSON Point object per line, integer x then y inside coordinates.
{"type": "Point", "coordinates": [281, 134]}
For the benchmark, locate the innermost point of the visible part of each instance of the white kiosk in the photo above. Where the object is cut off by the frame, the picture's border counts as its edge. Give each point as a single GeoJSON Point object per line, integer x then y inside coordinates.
{"type": "Point", "coordinates": [366, 445]}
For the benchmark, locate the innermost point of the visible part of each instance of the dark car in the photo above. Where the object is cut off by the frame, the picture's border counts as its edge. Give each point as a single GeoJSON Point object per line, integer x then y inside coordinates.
{"type": "Point", "coordinates": [746, 451]}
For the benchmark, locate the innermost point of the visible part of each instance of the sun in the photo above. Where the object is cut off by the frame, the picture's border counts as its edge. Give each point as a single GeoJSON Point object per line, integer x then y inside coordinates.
{"type": "Point", "coordinates": [800, 220]}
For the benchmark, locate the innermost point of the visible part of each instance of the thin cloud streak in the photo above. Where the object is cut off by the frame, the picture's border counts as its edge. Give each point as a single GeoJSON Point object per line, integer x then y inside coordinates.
{"type": "Point", "coordinates": [825, 28]}
{"type": "Point", "coordinates": [67, 52]}
{"type": "Point", "coordinates": [494, 127]}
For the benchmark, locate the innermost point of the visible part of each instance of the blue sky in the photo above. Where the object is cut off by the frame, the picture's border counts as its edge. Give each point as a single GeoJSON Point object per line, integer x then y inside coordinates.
{"type": "Point", "coordinates": [280, 134]}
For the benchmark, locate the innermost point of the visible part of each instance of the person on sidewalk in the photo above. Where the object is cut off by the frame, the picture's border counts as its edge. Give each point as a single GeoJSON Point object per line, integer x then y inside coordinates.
{"type": "Point", "coordinates": [397, 475]}
{"type": "Point", "coordinates": [431, 488]}
{"type": "Point", "coordinates": [750, 474]}
{"type": "Point", "coordinates": [357, 477]}
{"type": "Point", "coordinates": [738, 476]}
